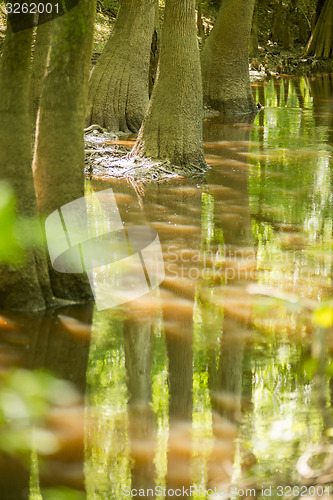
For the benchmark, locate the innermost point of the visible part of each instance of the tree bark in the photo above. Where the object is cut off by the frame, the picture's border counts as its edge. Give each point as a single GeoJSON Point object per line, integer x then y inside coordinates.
{"type": "Point", "coordinates": [225, 60]}
{"type": "Point", "coordinates": [277, 28]}
{"type": "Point", "coordinates": [172, 128]}
{"type": "Point", "coordinates": [59, 153]}
{"type": "Point", "coordinates": [118, 89]}
{"type": "Point", "coordinates": [26, 287]}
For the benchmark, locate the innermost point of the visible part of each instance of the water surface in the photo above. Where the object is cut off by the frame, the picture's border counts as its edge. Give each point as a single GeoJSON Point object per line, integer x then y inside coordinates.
{"type": "Point", "coordinates": [219, 383]}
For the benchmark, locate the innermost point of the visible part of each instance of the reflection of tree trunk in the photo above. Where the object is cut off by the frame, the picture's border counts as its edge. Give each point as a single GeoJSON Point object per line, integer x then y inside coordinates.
{"type": "Point", "coordinates": [277, 87]}
{"type": "Point", "coordinates": [64, 353]}
{"type": "Point", "coordinates": [137, 344]}
{"type": "Point", "coordinates": [180, 356]}
{"type": "Point", "coordinates": [177, 295]}
{"type": "Point", "coordinates": [231, 364]}
{"type": "Point", "coordinates": [320, 88]}
{"type": "Point", "coordinates": [238, 231]}
{"type": "Point", "coordinates": [286, 91]}
{"type": "Point", "coordinates": [235, 235]}
{"type": "Point", "coordinates": [297, 87]}
{"type": "Point", "coordinates": [262, 101]}
{"type": "Point", "coordinates": [319, 355]}
{"type": "Point", "coordinates": [62, 348]}
{"type": "Point", "coordinates": [14, 478]}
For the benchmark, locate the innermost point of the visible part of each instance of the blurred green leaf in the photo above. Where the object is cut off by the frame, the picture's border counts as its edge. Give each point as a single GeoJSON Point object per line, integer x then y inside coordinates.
{"type": "Point", "coordinates": [26, 397]}
{"type": "Point", "coordinates": [323, 316]}
{"type": "Point", "coordinates": [11, 251]}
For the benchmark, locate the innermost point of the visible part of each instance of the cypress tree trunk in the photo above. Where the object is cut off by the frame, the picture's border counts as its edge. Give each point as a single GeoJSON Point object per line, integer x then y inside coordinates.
{"type": "Point", "coordinates": [320, 43]}
{"type": "Point", "coordinates": [254, 32]}
{"type": "Point", "coordinates": [277, 28]}
{"type": "Point", "coordinates": [172, 128]}
{"type": "Point", "coordinates": [118, 88]}
{"type": "Point", "coordinates": [225, 60]}
{"type": "Point", "coordinates": [27, 287]}
{"type": "Point", "coordinates": [59, 153]}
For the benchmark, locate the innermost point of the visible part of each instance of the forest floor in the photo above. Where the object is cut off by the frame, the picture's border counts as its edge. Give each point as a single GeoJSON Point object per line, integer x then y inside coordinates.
{"type": "Point", "coordinates": [271, 59]}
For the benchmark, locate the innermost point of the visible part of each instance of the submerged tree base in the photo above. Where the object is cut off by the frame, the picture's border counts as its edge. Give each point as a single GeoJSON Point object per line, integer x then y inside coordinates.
{"type": "Point", "coordinates": [107, 156]}
{"type": "Point", "coordinates": [145, 169]}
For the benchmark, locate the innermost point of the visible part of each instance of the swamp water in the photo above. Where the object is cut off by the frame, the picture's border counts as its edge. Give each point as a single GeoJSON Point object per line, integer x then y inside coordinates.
{"type": "Point", "coordinates": [219, 384]}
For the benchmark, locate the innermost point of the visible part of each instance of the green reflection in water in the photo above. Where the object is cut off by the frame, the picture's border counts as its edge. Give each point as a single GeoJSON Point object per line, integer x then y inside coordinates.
{"type": "Point", "coordinates": [285, 418]}
{"type": "Point", "coordinates": [107, 467]}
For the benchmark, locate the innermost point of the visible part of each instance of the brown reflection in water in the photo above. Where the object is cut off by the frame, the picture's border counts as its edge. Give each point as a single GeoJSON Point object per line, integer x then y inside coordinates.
{"type": "Point", "coordinates": [43, 341]}
{"type": "Point", "coordinates": [225, 380]}
{"type": "Point", "coordinates": [179, 233]}
{"type": "Point", "coordinates": [286, 90]}
{"type": "Point", "coordinates": [175, 211]}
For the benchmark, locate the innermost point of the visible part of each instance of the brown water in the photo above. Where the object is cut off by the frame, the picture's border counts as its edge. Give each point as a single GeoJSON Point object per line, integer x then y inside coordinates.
{"type": "Point", "coordinates": [219, 384]}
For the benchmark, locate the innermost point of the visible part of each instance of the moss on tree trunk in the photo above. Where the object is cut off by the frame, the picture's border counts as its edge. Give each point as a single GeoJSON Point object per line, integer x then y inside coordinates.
{"type": "Point", "coordinates": [225, 60]}
{"type": "Point", "coordinates": [59, 153]}
{"type": "Point", "coordinates": [118, 89]}
{"type": "Point", "coordinates": [172, 128]}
